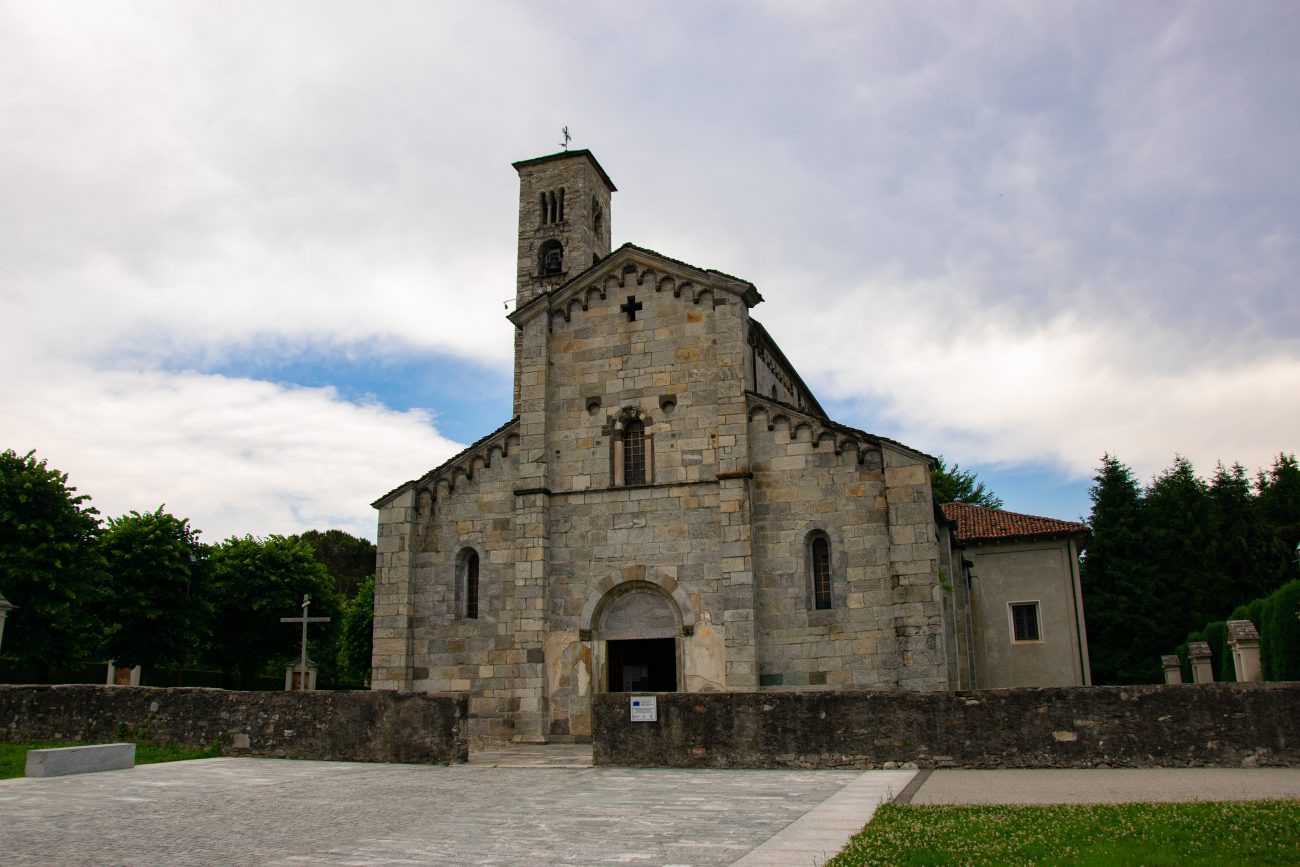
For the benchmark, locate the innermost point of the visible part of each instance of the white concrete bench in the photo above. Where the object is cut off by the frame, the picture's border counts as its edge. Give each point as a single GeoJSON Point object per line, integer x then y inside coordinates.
{"type": "Point", "coordinates": [59, 761]}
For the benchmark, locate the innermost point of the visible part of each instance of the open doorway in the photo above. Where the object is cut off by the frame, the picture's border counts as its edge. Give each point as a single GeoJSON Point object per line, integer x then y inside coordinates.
{"type": "Point", "coordinates": [642, 665]}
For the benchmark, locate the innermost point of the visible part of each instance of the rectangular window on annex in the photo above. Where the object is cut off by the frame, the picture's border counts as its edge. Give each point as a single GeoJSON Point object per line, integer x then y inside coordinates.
{"type": "Point", "coordinates": [1024, 622]}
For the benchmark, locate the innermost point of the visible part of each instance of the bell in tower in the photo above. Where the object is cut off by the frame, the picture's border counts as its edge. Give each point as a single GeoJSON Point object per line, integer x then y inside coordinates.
{"type": "Point", "coordinates": [564, 221]}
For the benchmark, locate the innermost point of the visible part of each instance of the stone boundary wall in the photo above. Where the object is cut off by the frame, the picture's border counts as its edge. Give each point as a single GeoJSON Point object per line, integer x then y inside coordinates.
{"type": "Point", "coordinates": [357, 726]}
{"type": "Point", "coordinates": [1216, 725]}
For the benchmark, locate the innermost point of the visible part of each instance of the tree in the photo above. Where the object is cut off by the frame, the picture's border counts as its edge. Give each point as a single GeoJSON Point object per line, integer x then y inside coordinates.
{"type": "Point", "coordinates": [255, 582]}
{"type": "Point", "coordinates": [157, 609]}
{"type": "Point", "coordinates": [348, 558]}
{"type": "Point", "coordinates": [1241, 541]}
{"type": "Point", "coordinates": [49, 565]}
{"type": "Point", "coordinates": [1189, 589]}
{"type": "Point", "coordinates": [956, 485]}
{"type": "Point", "coordinates": [1122, 641]}
{"type": "Point", "coordinates": [355, 633]}
{"type": "Point", "coordinates": [1279, 508]}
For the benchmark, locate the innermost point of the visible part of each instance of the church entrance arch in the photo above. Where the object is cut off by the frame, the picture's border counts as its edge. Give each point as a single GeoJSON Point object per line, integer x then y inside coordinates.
{"type": "Point", "coordinates": [637, 626]}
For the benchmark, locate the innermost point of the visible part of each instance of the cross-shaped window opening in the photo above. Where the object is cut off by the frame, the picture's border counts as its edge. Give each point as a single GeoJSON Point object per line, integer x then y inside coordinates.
{"type": "Point", "coordinates": [631, 307]}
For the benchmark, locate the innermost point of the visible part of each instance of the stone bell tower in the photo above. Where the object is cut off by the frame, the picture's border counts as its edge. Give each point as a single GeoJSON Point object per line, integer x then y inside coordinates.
{"type": "Point", "coordinates": [563, 220]}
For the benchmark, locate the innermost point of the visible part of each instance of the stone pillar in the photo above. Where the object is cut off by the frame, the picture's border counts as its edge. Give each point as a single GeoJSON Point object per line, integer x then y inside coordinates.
{"type": "Point", "coordinates": [1199, 653]}
{"type": "Point", "coordinates": [914, 568]}
{"type": "Point", "coordinates": [526, 604]}
{"type": "Point", "coordinates": [392, 661]}
{"type": "Point", "coordinates": [1243, 638]}
{"type": "Point", "coordinates": [1173, 668]}
{"type": "Point", "coordinates": [737, 568]}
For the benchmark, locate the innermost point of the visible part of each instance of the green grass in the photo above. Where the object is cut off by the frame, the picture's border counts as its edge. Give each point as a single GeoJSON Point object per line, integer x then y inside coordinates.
{"type": "Point", "coordinates": [1200, 833]}
{"type": "Point", "coordinates": [13, 757]}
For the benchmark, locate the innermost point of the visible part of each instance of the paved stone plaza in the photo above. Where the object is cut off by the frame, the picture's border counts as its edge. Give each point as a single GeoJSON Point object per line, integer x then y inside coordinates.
{"type": "Point", "coordinates": [272, 811]}
{"type": "Point", "coordinates": [522, 806]}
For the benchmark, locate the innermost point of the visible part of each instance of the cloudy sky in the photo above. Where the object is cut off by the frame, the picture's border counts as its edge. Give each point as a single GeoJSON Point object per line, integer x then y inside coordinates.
{"type": "Point", "coordinates": [253, 255]}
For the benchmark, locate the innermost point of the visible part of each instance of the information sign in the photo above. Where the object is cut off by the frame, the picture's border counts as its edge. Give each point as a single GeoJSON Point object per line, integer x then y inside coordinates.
{"type": "Point", "coordinates": [645, 708]}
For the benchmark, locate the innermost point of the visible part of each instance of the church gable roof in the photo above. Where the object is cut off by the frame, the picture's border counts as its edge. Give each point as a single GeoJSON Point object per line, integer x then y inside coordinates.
{"type": "Point", "coordinates": [631, 266]}
{"type": "Point", "coordinates": [982, 524]}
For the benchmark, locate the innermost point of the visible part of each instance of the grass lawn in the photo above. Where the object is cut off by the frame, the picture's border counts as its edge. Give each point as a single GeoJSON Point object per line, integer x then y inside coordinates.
{"type": "Point", "coordinates": [13, 757]}
{"type": "Point", "coordinates": [1201, 833]}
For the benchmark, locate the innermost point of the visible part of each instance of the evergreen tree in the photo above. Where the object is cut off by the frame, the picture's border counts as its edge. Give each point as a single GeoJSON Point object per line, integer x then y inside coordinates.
{"type": "Point", "coordinates": [1189, 590]}
{"type": "Point", "coordinates": [1240, 540]}
{"type": "Point", "coordinates": [956, 485]}
{"type": "Point", "coordinates": [1116, 583]}
{"type": "Point", "coordinates": [50, 568]}
{"type": "Point", "coordinates": [1279, 509]}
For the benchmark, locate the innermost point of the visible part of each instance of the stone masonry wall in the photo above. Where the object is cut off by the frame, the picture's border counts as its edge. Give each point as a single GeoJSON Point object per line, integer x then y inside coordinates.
{"type": "Point", "coordinates": [678, 367]}
{"type": "Point", "coordinates": [1218, 725]}
{"type": "Point", "coordinates": [356, 726]}
{"type": "Point", "coordinates": [885, 628]}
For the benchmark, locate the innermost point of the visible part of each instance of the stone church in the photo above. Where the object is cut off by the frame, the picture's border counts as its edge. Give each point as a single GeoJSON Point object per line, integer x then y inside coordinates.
{"type": "Point", "coordinates": [671, 509]}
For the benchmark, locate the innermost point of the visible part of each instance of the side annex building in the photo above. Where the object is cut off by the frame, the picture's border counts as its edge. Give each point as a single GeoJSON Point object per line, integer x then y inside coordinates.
{"type": "Point", "coordinates": [670, 509]}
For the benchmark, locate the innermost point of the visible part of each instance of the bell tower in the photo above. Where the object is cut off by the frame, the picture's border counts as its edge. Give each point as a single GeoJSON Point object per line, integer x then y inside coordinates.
{"type": "Point", "coordinates": [563, 220]}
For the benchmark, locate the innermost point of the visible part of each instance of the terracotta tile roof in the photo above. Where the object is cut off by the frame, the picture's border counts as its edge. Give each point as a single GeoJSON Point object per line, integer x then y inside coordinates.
{"type": "Point", "coordinates": [980, 523]}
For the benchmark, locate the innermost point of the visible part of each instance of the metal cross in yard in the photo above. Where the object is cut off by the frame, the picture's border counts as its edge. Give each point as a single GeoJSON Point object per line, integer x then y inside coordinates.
{"type": "Point", "coordinates": [631, 307]}
{"type": "Point", "coordinates": [304, 620]}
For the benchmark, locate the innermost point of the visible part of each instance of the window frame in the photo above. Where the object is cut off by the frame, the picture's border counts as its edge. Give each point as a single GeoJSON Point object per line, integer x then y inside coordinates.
{"type": "Point", "coordinates": [634, 459]}
{"type": "Point", "coordinates": [820, 571]}
{"type": "Point", "coordinates": [1029, 605]}
{"type": "Point", "coordinates": [469, 583]}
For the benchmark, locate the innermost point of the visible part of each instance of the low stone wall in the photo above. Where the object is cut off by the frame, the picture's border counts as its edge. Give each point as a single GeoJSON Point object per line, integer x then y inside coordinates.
{"type": "Point", "coordinates": [1219, 725]}
{"type": "Point", "coordinates": [360, 726]}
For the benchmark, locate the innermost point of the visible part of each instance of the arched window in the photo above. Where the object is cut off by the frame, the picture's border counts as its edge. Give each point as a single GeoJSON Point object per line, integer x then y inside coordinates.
{"type": "Point", "coordinates": [819, 571]}
{"type": "Point", "coordinates": [467, 584]}
{"type": "Point", "coordinates": [634, 463]}
{"type": "Point", "coordinates": [550, 258]}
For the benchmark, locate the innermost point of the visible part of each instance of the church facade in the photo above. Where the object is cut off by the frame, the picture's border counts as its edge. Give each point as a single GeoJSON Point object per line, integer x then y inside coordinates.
{"type": "Point", "coordinates": [669, 509]}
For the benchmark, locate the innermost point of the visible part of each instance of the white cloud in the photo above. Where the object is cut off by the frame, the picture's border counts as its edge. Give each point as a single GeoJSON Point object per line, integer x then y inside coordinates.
{"type": "Point", "coordinates": [1018, 232]}
{"type": "Point", "coordinates": [235, 456]}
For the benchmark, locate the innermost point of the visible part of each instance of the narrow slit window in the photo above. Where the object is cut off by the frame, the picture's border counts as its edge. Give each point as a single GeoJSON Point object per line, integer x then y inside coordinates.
{"type": "Point", "coordinates": [634, 453]}
{"type": "Point", "coordinates": [1024, 622]}
{"type": "Point", "coordinates": [821, 572]}
{"type": "Point", "coordinates": [471, 586]}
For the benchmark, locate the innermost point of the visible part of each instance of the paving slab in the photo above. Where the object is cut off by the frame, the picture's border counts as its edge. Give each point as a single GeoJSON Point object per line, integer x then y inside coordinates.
{"type": "Point", "coordinates": [281, 812]}
{"type": "Point", "coordinates": [1106, 786]}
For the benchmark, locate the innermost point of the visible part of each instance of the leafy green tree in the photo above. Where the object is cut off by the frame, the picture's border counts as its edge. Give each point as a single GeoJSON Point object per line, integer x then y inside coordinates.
{"type": "Point", "coordinates": [348, 558]}
{"type": "Point", "coordinates": [955, 485]}
{"type": "Point", "coordinates": [1123, 644]}
{"type": "Point", "coordinates": [50, 567]}
{"type": "Point", "coordinates": [157, 609]}
{"type": "Point", "coordinates": [255, 583]}
{"type": "Point", "coordinates": [355, 633]}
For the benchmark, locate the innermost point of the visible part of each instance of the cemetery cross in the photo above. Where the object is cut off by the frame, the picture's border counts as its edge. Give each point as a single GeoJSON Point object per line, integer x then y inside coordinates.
{"type": "Point", "coordinates": [304, 620]}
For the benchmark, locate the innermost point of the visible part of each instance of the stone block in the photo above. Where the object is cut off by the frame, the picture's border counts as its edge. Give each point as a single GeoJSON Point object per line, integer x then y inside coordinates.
{"type": "Point", "coordinates": [61, 761]}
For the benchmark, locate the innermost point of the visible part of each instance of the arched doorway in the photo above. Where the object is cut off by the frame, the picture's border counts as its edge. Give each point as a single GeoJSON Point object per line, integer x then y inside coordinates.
{"type": "Point", "coordinates": [638, 630]}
